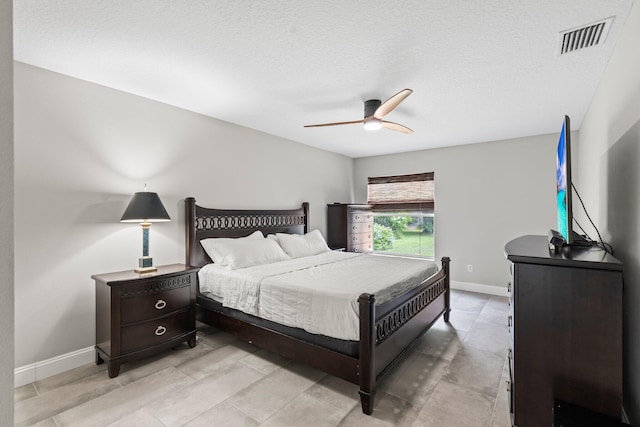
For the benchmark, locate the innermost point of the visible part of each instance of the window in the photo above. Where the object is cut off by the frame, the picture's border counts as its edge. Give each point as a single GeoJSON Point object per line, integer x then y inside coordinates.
{"type": "Point", "coordinates": [403, 210]}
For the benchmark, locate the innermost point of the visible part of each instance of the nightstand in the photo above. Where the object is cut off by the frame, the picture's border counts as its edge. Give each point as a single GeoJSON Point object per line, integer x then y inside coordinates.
{"type": "Point", "coordinates": [138, 315]}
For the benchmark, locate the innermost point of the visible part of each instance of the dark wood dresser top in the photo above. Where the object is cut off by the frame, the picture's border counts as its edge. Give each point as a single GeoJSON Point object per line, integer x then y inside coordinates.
{"type": "Point", "coordinates": [535, 250]}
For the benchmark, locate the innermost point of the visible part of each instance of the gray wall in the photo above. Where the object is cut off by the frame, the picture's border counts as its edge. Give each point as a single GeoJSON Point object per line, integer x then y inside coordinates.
{"type": "Point", "coordinates": [81, 152]}
{"type": "Point", "coordinates": [486, 195]}
{"type": "Point", "coordinates": [609, 183]}
{"type": "Point", "coordinates": [6, 212]}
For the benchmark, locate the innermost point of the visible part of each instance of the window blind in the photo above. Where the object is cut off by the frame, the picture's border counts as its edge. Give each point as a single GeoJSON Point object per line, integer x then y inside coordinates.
{"type": "Point", "coordinates": [402, 192]}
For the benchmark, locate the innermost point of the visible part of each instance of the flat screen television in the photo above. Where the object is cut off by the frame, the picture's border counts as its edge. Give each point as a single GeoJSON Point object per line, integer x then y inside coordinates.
{"type": "Point", "coordinates": [563, 181]}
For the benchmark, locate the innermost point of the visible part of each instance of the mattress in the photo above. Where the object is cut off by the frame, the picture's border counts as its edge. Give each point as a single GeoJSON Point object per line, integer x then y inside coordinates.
{"type": "Point", "coordinates": [349, 348]}
{"type": "Point", "coordinates": [319, 293]}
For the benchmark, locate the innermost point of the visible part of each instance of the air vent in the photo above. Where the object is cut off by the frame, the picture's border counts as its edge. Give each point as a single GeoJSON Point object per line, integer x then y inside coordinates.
{"type": "Point", "coordinates": [585, 36]}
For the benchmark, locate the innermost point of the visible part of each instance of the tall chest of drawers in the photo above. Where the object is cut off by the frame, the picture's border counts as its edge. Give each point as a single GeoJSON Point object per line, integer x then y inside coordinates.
{"type": "Point", "coordinates": [138, 315]}
{"type": "Point", "coordinates": [350, 227]}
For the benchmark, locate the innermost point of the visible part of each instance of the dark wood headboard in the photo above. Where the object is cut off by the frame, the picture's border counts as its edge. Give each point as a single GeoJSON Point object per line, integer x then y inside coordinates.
{"type": "Point", "coordinates": [203, 223]}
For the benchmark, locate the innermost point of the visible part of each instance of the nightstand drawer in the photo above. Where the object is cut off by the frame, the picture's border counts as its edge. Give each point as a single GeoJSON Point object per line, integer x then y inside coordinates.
{"type": "Point", "coordinates": [153, 332]}
{"type": "Point", "coordinates": [143, 307]}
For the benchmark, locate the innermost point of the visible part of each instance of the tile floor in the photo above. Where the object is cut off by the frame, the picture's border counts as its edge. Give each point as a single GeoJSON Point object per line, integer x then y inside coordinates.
{"type": "Point", "coordinates": [454, 376]}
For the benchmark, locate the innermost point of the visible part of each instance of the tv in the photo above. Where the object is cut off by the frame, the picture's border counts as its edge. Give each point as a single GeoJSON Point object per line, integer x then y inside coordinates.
{"type": "Point", "coordinates": [563, 183]}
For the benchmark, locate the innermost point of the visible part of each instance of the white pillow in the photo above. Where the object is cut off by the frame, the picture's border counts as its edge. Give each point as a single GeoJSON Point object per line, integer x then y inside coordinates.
{"type": "Point", "coordinates": [297, 245]}
{"type": "Point", "coordinates": [246, 253]}
{"type": "Point", "coordinates": [216, 248]}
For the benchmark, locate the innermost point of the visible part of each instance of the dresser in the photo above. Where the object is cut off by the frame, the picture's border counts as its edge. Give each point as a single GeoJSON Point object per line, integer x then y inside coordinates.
{"type": "Point", "coordinates": [566, 330]}
{"type": "Point", "coordinates": [350, 227]}
{"type": "Point", "coordinates": [138, 315]}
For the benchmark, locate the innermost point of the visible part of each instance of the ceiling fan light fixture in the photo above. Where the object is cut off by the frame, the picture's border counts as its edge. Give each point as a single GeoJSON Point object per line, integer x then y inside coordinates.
{"type": "Point", "coordinates": [374, 112]}
{"type": "Point", "coordinates": [373, 124]}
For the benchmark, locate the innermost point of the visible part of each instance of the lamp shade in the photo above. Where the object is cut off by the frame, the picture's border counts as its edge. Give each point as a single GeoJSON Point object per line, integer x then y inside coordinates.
{"type": "Point", "coordinates": [145, 207]}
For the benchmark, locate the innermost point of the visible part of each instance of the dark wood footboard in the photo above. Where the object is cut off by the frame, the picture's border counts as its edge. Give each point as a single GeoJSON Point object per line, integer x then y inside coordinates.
{"type": "Point", "coordinates": [387, 331]}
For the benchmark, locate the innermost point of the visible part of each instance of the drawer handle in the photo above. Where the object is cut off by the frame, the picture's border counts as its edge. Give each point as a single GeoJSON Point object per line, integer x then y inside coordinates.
{"type": "Point", "coordinates": [160, 304]}
{"type": "Point", "coordinates": [160, 330]}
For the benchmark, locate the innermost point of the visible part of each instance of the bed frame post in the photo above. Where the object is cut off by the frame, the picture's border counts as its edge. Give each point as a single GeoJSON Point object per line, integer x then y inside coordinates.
{"type": "Point", "coordinates": [447, 292]}
{"type": "Point", "coordinates": [190, 234]}
{"type": "Point", "coordinates": [367, 364]}
{"type": "Point", "coordinates": [305, 209]}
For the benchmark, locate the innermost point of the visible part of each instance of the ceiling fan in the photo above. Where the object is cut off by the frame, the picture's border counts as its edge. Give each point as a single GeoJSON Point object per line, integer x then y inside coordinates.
{"type": "Point", "coordinates": [374, 111]}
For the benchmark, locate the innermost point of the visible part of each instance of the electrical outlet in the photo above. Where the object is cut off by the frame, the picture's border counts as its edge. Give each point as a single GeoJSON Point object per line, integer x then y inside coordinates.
{"type": "Point", "coordinates": [470, 268]}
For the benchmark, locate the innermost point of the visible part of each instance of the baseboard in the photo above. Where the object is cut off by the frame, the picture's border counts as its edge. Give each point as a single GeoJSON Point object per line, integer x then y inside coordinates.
{"type": "Point", "coordinates": [480, 288]}
{"type": "Point", "coordinates": [56, 365]}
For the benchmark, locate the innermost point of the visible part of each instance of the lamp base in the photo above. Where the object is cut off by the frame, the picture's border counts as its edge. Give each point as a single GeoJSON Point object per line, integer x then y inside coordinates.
{"type": "Point", "coordinates": [145, 265]}
{"type": "Point", "coordinates": [146, 270]}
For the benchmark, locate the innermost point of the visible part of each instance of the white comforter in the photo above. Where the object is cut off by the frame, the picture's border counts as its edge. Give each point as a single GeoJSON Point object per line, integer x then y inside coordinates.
{"type": "Point", "coordinates": [317, 293]}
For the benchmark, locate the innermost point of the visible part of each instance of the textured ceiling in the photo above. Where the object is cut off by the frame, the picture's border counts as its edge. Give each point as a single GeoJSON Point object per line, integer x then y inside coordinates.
{"type": "Point", "coordinates": [480, 70]}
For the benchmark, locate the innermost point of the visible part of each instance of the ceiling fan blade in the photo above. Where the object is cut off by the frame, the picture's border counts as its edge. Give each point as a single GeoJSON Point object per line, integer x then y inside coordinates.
{"type": "Point", "coordinates": [396, 126]}
{"type": "Point", "coordinates": [335, 124]}
{"type": "Point", "coordinates": [387, 106]}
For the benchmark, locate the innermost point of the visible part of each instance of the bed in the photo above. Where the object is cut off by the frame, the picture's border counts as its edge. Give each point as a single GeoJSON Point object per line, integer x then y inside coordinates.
{"type": "Point", "coordinates": [385, 331]}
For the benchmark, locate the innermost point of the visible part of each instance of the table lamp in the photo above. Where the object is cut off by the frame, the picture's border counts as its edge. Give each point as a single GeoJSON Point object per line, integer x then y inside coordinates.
{"type": "Point", "coordinates": [145, 208]}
